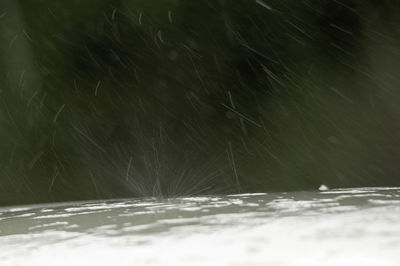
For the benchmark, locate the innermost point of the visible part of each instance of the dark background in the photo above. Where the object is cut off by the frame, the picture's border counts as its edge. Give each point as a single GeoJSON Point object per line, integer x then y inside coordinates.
{"type": "Point", "coordinates": [104, 99]}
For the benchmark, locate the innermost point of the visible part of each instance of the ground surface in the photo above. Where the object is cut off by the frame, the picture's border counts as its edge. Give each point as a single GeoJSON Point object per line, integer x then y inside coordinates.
{"type": "Point", "coordinates": [334, 227]}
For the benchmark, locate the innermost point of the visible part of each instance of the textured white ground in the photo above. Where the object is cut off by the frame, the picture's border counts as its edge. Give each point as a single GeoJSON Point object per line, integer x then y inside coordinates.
{"type": "Point", "coordinates": [334, 227]}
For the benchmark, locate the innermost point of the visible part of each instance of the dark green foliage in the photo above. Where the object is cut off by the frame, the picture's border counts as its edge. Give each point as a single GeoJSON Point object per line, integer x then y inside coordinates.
{"type": "Point", "coordinates": [103, 99]}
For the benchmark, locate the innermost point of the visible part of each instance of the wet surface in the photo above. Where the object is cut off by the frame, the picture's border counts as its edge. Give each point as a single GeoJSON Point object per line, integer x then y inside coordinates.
{"type": "Point", "coordinates": [333, 227]}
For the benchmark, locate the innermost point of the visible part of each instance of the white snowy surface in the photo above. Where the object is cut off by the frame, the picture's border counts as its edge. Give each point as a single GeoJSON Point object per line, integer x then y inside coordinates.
{"type": "Point", "coordinates": [333, 227]}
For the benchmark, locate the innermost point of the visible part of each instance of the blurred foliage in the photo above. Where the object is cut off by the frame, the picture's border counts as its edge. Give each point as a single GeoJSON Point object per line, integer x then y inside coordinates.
{"type": "Point", "coordinates": [118, 98]}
